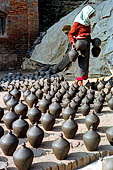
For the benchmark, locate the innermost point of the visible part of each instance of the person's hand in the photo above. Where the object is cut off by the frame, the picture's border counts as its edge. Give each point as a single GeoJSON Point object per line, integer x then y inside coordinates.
{"type": "Point", "coordinates": [73, 46]}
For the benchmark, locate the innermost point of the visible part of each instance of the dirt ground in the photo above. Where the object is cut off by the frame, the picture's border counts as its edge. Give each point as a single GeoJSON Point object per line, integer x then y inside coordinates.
{"type": "Point", "coordinates": [44, 157]}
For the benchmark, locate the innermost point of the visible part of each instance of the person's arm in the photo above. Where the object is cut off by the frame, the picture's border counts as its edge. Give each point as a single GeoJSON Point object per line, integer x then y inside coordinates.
{"type": "Point", "coordinates": [73, 32]}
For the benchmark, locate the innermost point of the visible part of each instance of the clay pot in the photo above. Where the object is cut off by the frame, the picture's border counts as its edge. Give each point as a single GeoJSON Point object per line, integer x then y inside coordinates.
{"type": "Point", "coordinates": [71, 92]}
{"type": "Point", "coordinates": [101, 98]}
{"type": "Point", "coordinates": [9, 143]}
{"type": "Point", "coordinates": [39, 93]}
{"type": "Point", "coordinates": [34, 114]}
{"type": "Point", "coordinates": [77, 99]}
{"type": "Point", "coordinates": [100, 86]}
{"type": "Point", "coordinates": [62, 90]}
{"type": "Point", "coordinates": [48, 121]}
{"type": "Point", "coordinates": [96, 51]}
{"type": "Point", "coordinates": [73, 54]}
{"type": "Point", "coordinates": [85, 109]}
{"type": "Point", "coordinates": [90, 97]}
{"type": "Point", "coordinates": [110, 103]}
{"type": "Point", "coordinates": [33, 90]}
{"type": "Point", "coordinates": [61, 147]}
{"type": "Point", "coordinates": [92, 120]}
{"type": "Point", "coordinates": [65, 102]}
{"type": "Point", "coordinates": [21, 109]}
{"type": "Point", "coordinates": [6, 98]}
{"type": "Point", "coordinates": [106, 90]}
{"type": "Point", "coordinates": [108, 86]}
{"type": "Point", "coordinates": [24, 88]}
{"type": "Point", "coordinates": [74, 104]}
{"type": "Point", "coordinates": [91, 139]}
{"type": "Point", "coordinates": [16, 93]}
{"type": "Point", "coordinates": [109, 134]}
{"type": "Point", "coordinates": [91, 91]}
{"type": "Point", "coordinates": [96, 42]}
{"type": "Point", "coordinates": [55, 108]}
{"type": "Point", "coordinates": [85, 100]}
{"type": "Point", "coordinates": [88, 84]}
{"type": "Point", "coordinates": [11, 103]}
{"type": "Point", "coordinates": [68, 111]}
{"type": "Point", "coordinates": [46, 88]}
{"type": "Point", "coordinates": [1, 113]}
{"type": "Point", "coordinates": [81, 44]}
{"type": "Point", "coordinates": [1, 131]}
{"type": "Point", "coordinates": [108, 97]}
{"type": "Point", "coordinates": [23, 157]}
{"type": "Point", "coordinates": [95, 84]}
{"type": "Point", "coordinates": [83, 89]}
{"type": "Point", "coordinates": [20, 127]}
{"type": "Point", "coordinates": [48, 96]}
{"type": "Point", "coordinates": [81, 94]}
{"type": "Point", "coordinates": [59, 95]}
{"type": "Point", "coordinates": [67, 95]}
{"type": "Point", "coordinates": [35, 136]}
{"type": "Point", "coordinates": [102, 93]}
{"type": "Point", "coordinates": [44, 104]}
{"type": "Point", "coordinates": [9, 118]}
{"type": "Point", "coordinates": [98, 105]}
{"type": "Point", "coordinates": [69, 128]}
{"type": "Point", "coordinates": [26, 93]}
{"type": "Point", "coordinates": [31, 99]}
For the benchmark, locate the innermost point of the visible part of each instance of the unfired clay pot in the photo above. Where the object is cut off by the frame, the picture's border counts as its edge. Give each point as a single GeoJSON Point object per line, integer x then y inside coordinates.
{"type": "Point", "coordinates": [85, 109]}
{"type": "Point", "coordinates": [91, 139]}
{"type": "Point", "coordinates": [69, 128]}
{"type": "Point", "coordinates": [34, 114]}
{"type": "Point", "coordinates": [68, 111]}
{"type": "Point", "coordinates": [23, 157]}
{"type": "Point", "coordinates": [92, 120]}
{"type": "Point", "coordinates": [61, 147]}
{"type": "Point", "coordinates": [20, 127]}
{"type": "Point", "coordinates": [48, 121]}
{"type": "Point", "coordinates": [16, 93]}
{"type": "Point", "coordinates": [11, 103]}
{"type": "Point", "coordinates": [44, 104]}
{"type": "Point", "coordinates": [9, 118]}
{"type": "Point", "coordinates": [55, 108]}
{"type": "Point", "coordinates": [31, 99]}
{"type": "Point", "coordinates": [6, 97]}
{"type": "Point", "coordinates": [21, 109]}
{"type": "Point", "coordinates": [35, 136]}
{"type": "Point", "coordinates": [9, 143]}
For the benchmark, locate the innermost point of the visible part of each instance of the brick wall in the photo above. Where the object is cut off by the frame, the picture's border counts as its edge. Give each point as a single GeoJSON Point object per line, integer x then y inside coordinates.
{"type": "Point", "coordinates": [22, 28]}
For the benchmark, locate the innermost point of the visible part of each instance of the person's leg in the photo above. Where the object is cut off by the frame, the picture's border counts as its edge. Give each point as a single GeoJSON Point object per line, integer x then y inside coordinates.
{"type": "Point", "coordinates": [83, 65]}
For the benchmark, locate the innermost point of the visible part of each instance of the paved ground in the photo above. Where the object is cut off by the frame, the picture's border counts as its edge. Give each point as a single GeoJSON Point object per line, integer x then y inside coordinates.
{"type": "Point", "coordinates": [44, 157]}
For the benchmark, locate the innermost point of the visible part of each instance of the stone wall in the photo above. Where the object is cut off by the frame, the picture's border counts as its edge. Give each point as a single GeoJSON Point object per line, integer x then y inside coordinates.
{"type": "Point", "coordinates": [54, 44]}
{"type": "Point", "coordinates": [21, 29]}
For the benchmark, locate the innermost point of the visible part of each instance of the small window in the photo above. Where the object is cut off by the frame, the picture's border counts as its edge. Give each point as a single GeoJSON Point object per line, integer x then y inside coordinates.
{"type": "Point", "coordinates": [2, 25]}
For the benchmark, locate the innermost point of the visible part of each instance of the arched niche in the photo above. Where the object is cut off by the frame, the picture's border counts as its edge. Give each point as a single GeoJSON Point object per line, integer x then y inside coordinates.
{"type": "Point", "coordinates": [2, 23]}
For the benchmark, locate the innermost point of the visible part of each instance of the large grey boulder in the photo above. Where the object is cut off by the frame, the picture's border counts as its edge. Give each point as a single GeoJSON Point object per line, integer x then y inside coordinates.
{"type": "Point", "coordinates": [55, 43]}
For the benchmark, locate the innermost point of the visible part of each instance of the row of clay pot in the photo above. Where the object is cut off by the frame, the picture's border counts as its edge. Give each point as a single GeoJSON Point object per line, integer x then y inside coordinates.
{"type": "Point", "coordinates": [44, 103]}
